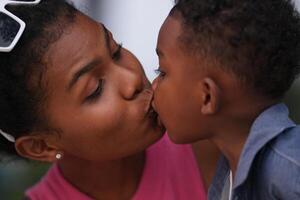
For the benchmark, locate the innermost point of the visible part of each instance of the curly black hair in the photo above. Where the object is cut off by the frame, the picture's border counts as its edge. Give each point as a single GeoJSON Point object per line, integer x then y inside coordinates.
{"type": "Point", "coordinates": [21, 92]}
{"type": "Point", "coordinates": [256, 40]}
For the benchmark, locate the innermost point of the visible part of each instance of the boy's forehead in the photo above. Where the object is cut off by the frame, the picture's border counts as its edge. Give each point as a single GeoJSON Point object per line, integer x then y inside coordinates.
{"type": "Point", "coordinates": [169, 32]}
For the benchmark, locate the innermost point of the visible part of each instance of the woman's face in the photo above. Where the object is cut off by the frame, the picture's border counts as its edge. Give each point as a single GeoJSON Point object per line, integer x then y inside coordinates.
{"type": "Point", "coordinates": [98, 95]}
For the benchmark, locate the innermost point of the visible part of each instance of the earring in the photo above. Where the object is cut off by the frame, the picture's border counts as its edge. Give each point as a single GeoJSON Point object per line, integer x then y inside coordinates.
{"type": "Point", "coordinates": [58, 156]}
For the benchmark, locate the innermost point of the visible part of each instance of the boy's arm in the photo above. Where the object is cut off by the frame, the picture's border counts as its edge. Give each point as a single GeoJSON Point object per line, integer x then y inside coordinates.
{"type": "Point", "coordinates": [207, 156]}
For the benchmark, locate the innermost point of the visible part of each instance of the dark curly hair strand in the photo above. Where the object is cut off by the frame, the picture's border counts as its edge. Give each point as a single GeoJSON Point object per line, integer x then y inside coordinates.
{"type": "Point", "coordinates": [256, 40]}
{"type": "Point", "coordinates": [21, 93]}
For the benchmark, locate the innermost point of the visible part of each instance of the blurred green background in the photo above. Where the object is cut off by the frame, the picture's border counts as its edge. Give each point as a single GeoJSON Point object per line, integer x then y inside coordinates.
{"type": "Point", "coordinates": [17, 175]}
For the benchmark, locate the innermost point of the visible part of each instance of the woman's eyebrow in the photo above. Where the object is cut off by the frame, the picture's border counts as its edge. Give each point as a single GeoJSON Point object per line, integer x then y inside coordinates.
{"type": "Point", "coordinates": [106, 34]}
{"type": "Point", "coordinates": [90, 66]}
{"type": "Point", "coordinates": [87, 68]}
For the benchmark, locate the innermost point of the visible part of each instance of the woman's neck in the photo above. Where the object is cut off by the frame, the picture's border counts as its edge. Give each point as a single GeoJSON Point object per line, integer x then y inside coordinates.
{"type": "Point", "coordinates": [117, 179]}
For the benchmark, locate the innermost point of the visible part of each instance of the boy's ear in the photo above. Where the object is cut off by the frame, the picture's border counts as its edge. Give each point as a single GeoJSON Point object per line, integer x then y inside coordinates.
{"type": "Point", "coordinates": [36, 147]}
{"type": "Point", "coordinates": [210, 96]}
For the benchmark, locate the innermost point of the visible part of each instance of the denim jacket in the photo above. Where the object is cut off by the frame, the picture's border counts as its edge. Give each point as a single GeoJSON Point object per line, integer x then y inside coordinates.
{"type": "Point", "coordinates": [269, 165]}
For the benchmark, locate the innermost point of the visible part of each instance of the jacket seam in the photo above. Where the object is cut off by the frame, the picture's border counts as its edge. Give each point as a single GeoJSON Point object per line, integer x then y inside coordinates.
{"type": "Point", "coordinates": [285, 156]}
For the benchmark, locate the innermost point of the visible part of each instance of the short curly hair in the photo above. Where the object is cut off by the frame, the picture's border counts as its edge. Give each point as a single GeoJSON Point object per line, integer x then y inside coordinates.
{"type": "Point", "coordinates": [21, 94]}
{"type": "Point", "coordinates": [256, 40]}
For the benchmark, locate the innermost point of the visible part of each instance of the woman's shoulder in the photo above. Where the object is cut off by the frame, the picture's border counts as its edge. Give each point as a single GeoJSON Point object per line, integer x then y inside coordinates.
{"type": "Point", "coordinates": [52, 184]}
{"type": "Point", "coordinates": [170, 172]}
{"type": "Point", "coordinates": [166, 144]}
{"type": "Point", "coordinates": [172, 161]}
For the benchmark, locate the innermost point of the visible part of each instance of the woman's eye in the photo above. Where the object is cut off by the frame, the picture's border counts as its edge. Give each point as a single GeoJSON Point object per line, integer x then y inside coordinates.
{"type": "Point", "coordinates": [98, 91]}
{"type": "Point", "coordinates": [159, 72]}
{"type": "Point", "coordinates": [117, 54]}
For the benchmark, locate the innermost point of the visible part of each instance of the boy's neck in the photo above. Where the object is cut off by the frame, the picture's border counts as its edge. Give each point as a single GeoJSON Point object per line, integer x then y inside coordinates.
{"type": "Point", "coordinates": [231, 147]}
{"type": "Point", "coordinates": [232, 131]}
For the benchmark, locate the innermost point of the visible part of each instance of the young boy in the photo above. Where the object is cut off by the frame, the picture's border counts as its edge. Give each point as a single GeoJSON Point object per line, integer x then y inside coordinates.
{"type": "Point", "coordinates": [224, 67]}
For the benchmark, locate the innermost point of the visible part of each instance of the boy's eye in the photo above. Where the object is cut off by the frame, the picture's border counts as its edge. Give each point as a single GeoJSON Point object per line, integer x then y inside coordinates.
{"type": "Point", "coordinates": [117, 54]}
{"type": "Point", "coordinates": [98, 91]}
{"type": "Point", "coordinates": [159, 72]}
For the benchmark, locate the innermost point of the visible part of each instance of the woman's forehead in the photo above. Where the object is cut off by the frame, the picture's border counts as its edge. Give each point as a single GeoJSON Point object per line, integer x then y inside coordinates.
{"type": "Point", "coordinates": [84, 40]}
{"type": "Point", "coordinates": [80, 44]}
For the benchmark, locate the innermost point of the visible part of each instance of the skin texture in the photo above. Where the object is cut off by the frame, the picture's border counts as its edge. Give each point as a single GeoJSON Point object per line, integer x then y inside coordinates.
{"type": "Point", "coordinates": [197, 100]}
{"type": "Point", "coordinates": [178, 99]}
{"type": "Point", "coordinates": [180, 87]}
{"type": "Point", "coordinates": [103, 119]}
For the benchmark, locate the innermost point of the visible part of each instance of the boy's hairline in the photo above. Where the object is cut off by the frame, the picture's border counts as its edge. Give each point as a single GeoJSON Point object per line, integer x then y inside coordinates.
{"type": "Point", "coordinates": [200, 57]}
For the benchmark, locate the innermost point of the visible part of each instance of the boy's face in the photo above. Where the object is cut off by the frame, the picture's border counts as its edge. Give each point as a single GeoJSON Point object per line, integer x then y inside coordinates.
{"type": "Point", "coordinates": [178, 97]}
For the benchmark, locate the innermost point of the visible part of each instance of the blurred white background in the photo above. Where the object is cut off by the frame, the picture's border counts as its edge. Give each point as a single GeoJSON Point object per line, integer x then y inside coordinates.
{"type": "Point", "coordinates": [134, 23]}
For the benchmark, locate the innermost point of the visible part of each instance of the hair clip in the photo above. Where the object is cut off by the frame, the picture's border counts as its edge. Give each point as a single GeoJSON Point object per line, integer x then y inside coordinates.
{"type": "Point", "coordinates": [8, 136]}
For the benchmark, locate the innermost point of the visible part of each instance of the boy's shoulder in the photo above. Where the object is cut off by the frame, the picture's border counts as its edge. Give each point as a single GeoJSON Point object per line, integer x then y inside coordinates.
{"type": "Point", "coordinates": [278, 166]}
{"type": "Point", "coordinates": [286, 146]}
{"type": "Point", "coordinates": [279, 135]}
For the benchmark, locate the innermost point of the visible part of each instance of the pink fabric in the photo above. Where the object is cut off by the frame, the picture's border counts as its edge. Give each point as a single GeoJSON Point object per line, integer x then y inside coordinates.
{"type": "Point", "coordinates": [170, 173]}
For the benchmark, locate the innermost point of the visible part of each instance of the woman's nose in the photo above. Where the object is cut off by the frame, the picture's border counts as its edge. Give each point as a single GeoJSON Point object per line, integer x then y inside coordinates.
{"type": "Point", "coordinates": [132, 84]}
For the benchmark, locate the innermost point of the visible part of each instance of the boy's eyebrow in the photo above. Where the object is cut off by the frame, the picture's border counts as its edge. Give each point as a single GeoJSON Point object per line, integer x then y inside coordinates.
{"type": "Point", "coordinates": [159, 52]}
{"type": "Point", "coordinates": [87, 68]}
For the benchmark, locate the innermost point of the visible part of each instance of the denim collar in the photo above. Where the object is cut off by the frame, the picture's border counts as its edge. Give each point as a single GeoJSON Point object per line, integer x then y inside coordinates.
{"type": "Point", "coordinates": [266, 127]}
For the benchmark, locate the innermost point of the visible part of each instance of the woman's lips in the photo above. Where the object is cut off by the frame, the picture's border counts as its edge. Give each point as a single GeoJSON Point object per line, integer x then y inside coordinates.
{"type": "Point", "coordinates": [149, 95]}
{"type": "Point", "coordinates": [150, 110]}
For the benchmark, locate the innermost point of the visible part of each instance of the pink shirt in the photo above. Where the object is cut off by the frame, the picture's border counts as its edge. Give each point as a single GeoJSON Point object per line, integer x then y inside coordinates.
{"type": "Point", "coordinates": [170, 173]}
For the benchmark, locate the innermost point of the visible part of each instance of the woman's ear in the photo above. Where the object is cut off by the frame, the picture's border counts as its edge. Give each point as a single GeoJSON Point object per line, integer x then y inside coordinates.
{"type": "Point", "coordinates": [36, 147]}
{"type": "Point", "coordinates": [210, 96]}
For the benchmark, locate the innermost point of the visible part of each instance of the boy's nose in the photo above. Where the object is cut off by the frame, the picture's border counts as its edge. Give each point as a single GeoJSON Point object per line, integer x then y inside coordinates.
{"type": "Point", "coordinates": [154, 84]}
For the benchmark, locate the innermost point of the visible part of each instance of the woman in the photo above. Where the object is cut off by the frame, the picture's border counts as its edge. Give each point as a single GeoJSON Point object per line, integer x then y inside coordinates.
{"type": "Point", "coordinates": [71, 95]}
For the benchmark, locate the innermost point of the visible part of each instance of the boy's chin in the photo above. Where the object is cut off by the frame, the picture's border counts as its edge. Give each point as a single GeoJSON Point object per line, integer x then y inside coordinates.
{"type": "Point", "coordinates": [177, 138]}
{"type": "Point", "coordinates": [183, 138]}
